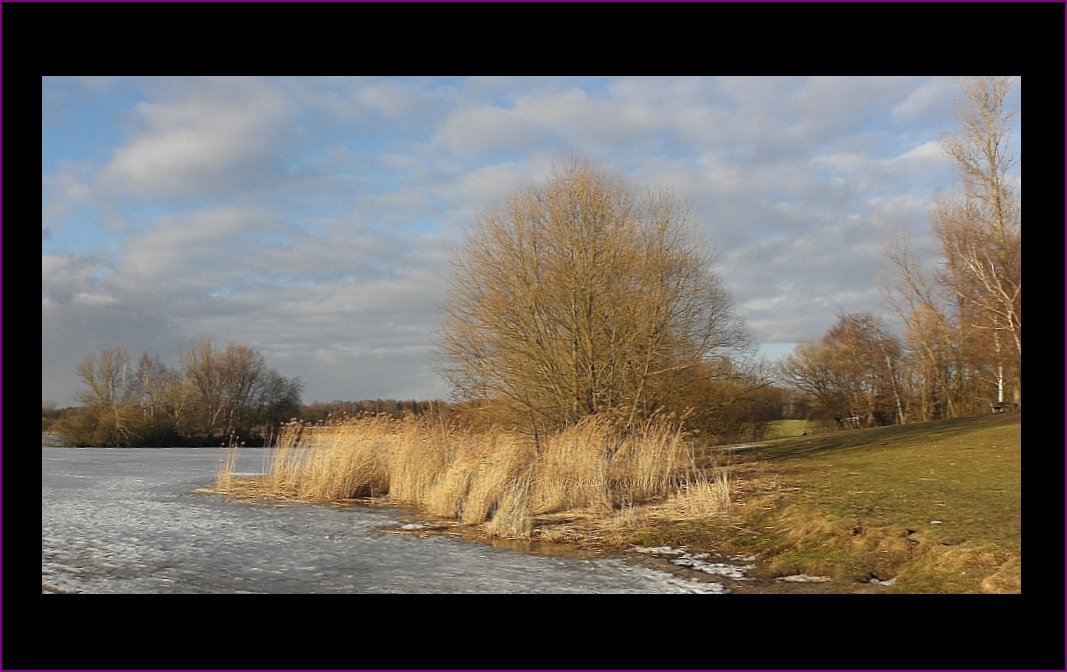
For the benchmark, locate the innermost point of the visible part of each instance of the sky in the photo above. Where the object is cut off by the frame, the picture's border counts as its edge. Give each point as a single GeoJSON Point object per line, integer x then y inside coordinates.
{"type": "Point", "coordinates": [313, 219]}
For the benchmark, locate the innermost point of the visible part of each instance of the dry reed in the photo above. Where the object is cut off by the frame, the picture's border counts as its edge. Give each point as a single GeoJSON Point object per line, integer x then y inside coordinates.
{"type": "Point", "coordinates": [499, 478]}
{"type": "Point", "coordinates": [702, 496]}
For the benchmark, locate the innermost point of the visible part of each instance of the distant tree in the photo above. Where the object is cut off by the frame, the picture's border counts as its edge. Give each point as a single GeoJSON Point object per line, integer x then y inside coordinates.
{"type": "Point", "coordinates": [49, 414]}
{"type": "Point", "coordinates": [852, 372]}
{"type": "Point", "coordinates": [810, 369]}
{"type": "Point", "coordinates": [726, 401]}
{"type": "Point", "coordinates": [202, 369]}
{"type": "Point", "coordinates": [107, 417]}
{"type": "Point", "coordinates": [106, 375]}
{"type": "Point", "coordinates": [243, 372]}
{"type": "Point", "coordinates": [278, 399]}
{"type": "Point", "coordinates": [162, 397]}
{"type": "Point", "coordinates": [236, 391]}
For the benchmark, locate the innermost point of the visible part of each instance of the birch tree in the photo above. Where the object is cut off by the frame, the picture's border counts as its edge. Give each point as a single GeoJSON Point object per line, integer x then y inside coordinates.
{"type": "Point", "coordinates": [964, 318]}
{"type": "Point", "coordinates": [979, 224]}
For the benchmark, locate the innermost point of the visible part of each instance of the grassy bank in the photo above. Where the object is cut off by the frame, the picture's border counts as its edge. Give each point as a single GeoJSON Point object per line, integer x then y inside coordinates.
{"type": "Point", "coordinates": [935, 507]}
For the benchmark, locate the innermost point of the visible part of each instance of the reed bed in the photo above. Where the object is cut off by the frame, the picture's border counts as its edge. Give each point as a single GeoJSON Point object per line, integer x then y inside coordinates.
{"type": "Point", "coordinates": [497, 478]}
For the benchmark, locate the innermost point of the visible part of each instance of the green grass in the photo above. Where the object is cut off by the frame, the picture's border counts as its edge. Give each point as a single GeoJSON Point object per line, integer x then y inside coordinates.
{"type": "Point", "coordinates": [858, 503]}
{"type": "Point", "coordinates": [784, 429]}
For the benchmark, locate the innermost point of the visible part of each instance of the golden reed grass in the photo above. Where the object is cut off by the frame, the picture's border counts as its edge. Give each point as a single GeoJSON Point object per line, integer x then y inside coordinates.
{"type": "Point", "coordinates": [496, 477]}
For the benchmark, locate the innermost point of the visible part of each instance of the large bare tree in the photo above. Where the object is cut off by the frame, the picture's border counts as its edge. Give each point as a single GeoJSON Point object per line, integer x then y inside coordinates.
{"type": "Point", "coordinates": [980, 224]}
{"type": "Point", "coordinates": [582, 296]}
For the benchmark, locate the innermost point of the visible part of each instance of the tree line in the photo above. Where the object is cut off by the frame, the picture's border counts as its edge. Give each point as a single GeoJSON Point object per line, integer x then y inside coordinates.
{"type": "Point", "coordinates": [961, 351]}
{"type": "Point", "coordinates": [216, 393]}
{"type": "Point", "coordinates": [55, 419]}
{"type": "Point", "coordinates": [330, 412]}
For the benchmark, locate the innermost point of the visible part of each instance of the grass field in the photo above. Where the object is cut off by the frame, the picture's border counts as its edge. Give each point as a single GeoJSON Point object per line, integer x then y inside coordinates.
{"type": "Point", "coordinates": [784, 429]}
{"type": "Point", "coordinates": [936, 505]}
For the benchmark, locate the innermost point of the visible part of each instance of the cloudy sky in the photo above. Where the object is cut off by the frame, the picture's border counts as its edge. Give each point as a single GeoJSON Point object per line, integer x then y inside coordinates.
{"type": "Point", "coordinates": [313, 218]}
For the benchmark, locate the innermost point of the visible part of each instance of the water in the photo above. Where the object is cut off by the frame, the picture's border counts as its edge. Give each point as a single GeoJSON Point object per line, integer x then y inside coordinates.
{"type": "Point", "coordinates": [128, 521]}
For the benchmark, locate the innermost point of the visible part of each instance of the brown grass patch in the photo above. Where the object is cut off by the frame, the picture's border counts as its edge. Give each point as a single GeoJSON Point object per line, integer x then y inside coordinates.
{"type": "Point", "coordinates": [700, 496]}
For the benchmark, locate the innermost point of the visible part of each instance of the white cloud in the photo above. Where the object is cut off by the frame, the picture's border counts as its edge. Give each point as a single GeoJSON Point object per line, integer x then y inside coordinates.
{"type": "Point", "coordinates": [63, 192]}
{"type": "Point", "coordinates": [215, 243]}
{"type": "Point", "coordinates": [926, 158]}
{"type": "Point", "coordinates": [389, 98]}
{"type": "Point", "coordinates": [217, 135]}
{"type": "Point", "coordinates": [487, 129]}
{"type": "Point", "coordinates": [927, 102]}
{"type": "Point", "coordinates": [65, 278]}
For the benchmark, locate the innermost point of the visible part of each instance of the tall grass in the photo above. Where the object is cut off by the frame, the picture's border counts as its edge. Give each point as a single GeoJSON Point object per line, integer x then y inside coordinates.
{"type": "Point", "coordinates": [495, 477]}
{"type": "Point", "coordinates": [227, 466]}
{"type": "Point", "coordinates": [702, 496]}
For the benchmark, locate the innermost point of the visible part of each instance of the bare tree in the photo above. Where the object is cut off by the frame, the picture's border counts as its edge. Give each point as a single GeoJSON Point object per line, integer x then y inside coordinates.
{"type": "Point", "coordinates": [243, 370]}
{"type": "Point", "coordinates": [940, 333]}
{"type": "Point", "coordinates": [581, 297]}
{"type": "Point", "coordinates": [106, 376]}
{"type": "Point", "coordinates": [227, 381]}
{"type": "Point", "coordinates": [202, 369]}
{"type": "Point", "coordinates": [964, 319]}
{"type": "Point", "coordinates": [810, 370]}
{"type": "Point", "coordinates": [852, 373]}
{"type": "Point", "coordinates": [150, 385]}
{"type": "Point", "coordinates": [278, 399]}
{"type": "Point", "coordinates": [979, 224]}
{"type": "Point", "coordinates": [108, 413]}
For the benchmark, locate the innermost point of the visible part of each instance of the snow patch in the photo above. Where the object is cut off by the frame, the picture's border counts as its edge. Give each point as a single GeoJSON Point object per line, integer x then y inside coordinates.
{"type": "Point", "coordinates": [659, 550]}
{"type": "Point", "coordinates": [697, 561]}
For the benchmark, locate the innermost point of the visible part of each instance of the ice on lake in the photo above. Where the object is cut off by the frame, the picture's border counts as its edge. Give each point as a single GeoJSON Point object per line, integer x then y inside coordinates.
{"type": "Point", "coordinates": [128, 521]}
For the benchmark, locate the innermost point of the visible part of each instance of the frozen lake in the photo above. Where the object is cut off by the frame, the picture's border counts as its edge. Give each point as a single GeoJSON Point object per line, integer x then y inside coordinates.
{"type": "Point", "coordinates": [126, 520]}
